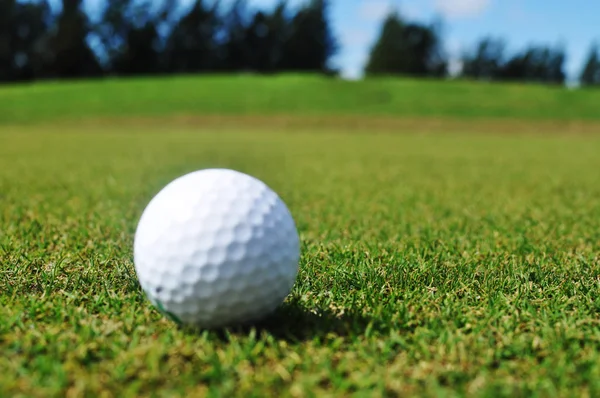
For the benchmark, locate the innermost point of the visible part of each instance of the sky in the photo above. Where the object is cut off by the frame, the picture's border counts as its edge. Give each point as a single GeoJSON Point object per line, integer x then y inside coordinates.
{"type": "Point", "coordinates": [356, 24]}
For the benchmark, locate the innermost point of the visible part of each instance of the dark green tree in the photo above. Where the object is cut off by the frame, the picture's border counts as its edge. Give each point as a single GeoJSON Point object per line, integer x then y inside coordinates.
{"type": "Point", "coordinates": [486, 61]}
{"type": "Point", "coordinates": [541, 64]}
{"type": "Point", "coordinates": [7, 46]}
{"type": "Point", "coordinates": [388, 54]}
{"type": "Point", "coordinates": [590, 74]}
{"type": "Point", "coordinates": [129, 32]}
{"type": "Point", "coordinates": [71, 55]}
{"type": "Point", "coordinates": [191, 45]}
{"type": "Point", "coordinates": [23, 27]}
{"type": "Point", "coordinates": [310, 44]}
{"type": "Point", "coordinates": [112, 30]}
{"type": "Point", "coordinates": [235, 50]}
{"type": "Point", "coordinates": [407, 49]}
{"type": "Point", "coordinates": [266, 35]}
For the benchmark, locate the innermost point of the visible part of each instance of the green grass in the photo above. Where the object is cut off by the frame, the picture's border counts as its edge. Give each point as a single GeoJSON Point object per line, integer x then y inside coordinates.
{"type": "Point", "coordinates": [432, 264]}
{"type": "Point", "coordinates": [253, 95]}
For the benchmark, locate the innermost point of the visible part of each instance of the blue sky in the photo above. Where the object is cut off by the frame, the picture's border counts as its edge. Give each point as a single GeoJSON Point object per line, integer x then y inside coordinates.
{"type": "Point", "coordinates": [572, 23]}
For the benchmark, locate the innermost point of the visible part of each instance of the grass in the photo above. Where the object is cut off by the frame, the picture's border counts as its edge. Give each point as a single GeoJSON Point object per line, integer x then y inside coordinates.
{"type": "Point", "coordinates": [432, 264]}
{"type": "Point", "coordinates": [291, 95]}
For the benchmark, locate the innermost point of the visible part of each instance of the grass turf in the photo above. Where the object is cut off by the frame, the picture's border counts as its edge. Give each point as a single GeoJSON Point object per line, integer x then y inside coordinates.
{"type": "Point", "coordinates": [463, 264]}
{"type": "Point", "coordinates": [291, 95]}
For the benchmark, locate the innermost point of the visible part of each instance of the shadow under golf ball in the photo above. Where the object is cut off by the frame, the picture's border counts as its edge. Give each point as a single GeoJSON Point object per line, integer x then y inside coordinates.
{"type": "Point", "coordinates": [293, 321]}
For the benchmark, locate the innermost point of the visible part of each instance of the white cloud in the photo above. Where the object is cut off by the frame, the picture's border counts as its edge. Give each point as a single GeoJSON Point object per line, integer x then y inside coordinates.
{"type": "Point", "coordinates": [462, 8]}
{"type": "Point", "coordinates": [377, 10]}
{"type": "Point", "coordinates": [354, 38]}
{"type": "Point", "coordinates": [454, 45]}
{"type": "Point", "coordinates": [455, 66]}
{"type": "Point", "coordinates": [412, 11]}
{"type": "Point", "coordinates": [374, 10]}
{"type": "Point", "coordinates": [454, 48]}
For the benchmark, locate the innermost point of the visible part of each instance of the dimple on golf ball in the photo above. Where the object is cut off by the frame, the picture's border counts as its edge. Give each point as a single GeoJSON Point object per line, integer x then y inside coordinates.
{"type": "Point", "coordinates": [215, 248]}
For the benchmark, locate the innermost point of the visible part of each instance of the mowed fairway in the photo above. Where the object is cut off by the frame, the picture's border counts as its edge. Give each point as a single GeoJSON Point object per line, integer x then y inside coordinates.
{"type": "Point", "coordinates": [434, 262]}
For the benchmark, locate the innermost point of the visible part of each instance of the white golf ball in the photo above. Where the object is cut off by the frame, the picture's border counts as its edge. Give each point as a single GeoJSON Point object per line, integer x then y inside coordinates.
{"type": "Point", "coordinates": [215, 248]}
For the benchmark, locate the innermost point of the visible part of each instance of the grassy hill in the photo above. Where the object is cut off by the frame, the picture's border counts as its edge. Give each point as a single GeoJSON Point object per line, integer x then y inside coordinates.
{"type": "Point", "coordinates": [290, 95]}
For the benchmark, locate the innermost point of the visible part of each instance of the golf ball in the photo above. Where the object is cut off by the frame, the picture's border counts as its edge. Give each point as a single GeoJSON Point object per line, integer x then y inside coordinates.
{"type": "Point", "coordinates": [215, 248]}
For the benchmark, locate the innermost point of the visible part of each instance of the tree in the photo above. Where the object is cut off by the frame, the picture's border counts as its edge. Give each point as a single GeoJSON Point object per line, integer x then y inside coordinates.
{"type": "Point", "coordinates": [7, 30]}
{"type": "Point", "coordinates": [23, 26]}
{"type": "Point", "coordinates": [266, 35]}
{"type": "Point", "coordinates": [236, 52]}
{"type": "Point", "coordinates": [486, 61]}
{"type": "Point", "coordinates": [142, 53]}
{"type": "Point", "coordinates": [71, 56]}
{"type": "Point", "coordinates": [388, 53]}
{"type": "Point", "coordinates": [192, 46]}
{"type": "Point", "coordinates": [310, 43]}
{"type": "Point", "coordinates": [407, 49]}
{"type": "Point", "coordinates": [536, 64]}
{"type": "Point", "coordinates": [129, 32]}
{"type": "Point", "coordinates": [590, 75]}
{"type": "Point", "coordinates": [112, 30]}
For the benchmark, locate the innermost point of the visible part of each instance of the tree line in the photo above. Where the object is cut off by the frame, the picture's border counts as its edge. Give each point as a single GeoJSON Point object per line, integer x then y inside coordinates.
{"type": "Point", "coordinates": [141, 37]}
{"type": "Point", "coordinates": [409, 48]}
{"type": "Point", "coordinates": [132, 37]}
